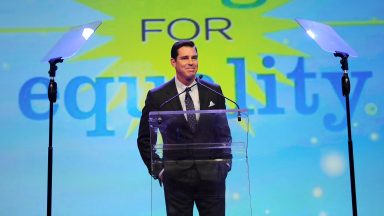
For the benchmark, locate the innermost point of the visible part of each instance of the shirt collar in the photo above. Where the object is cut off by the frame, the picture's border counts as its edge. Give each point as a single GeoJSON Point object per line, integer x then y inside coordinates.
{"type": "Point", "coordinates": [181, 87]}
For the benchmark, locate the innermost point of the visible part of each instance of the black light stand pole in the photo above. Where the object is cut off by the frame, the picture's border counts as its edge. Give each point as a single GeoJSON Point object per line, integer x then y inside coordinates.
{"type": "Point", "coordinates": [52, 96]}
{"type": "Point", "coordinates": [346, 87]}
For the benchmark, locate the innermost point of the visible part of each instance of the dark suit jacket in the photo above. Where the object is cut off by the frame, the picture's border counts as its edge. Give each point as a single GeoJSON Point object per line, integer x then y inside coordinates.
{"type": "Point", "coordinates": [210, 129]}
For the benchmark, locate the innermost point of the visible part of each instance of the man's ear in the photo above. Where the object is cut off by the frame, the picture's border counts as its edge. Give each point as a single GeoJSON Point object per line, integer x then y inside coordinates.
{"type": "Point", "coordinates": [173, 62]}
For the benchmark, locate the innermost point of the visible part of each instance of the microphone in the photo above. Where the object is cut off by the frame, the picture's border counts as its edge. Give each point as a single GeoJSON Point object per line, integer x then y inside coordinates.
{"type": "Point", "coordinates": [159, 119]}
{"type": "Point", "coordinates": [218, 93]}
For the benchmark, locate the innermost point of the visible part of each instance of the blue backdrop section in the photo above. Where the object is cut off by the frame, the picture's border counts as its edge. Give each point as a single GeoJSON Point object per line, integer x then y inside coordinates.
{"type": "Point", "coordinates": [298, 154]}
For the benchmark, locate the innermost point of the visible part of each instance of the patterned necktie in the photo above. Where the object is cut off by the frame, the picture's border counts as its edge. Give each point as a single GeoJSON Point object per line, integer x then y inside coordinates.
{"type": "Point", "coordinates": [191, 117]}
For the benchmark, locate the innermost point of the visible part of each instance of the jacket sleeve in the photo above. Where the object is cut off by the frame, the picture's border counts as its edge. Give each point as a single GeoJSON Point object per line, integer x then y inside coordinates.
{"type": "Point", "coordinates": [144, 140]}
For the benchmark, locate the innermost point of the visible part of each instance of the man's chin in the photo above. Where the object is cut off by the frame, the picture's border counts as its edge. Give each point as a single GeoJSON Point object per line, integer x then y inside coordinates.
{"type": "Point", "coordinates": [192, 76]}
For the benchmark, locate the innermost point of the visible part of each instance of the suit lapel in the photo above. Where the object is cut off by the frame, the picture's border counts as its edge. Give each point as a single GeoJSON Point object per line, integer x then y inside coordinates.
{"type": "Point", "coordinates": [203, 97]}
{"type": "Point", "coordinates": [171, 91]}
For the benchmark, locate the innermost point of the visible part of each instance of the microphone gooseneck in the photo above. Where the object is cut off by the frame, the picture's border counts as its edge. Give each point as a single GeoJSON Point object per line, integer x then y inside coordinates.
{"type": "Point", "coordinates": [218, 93]}
{"type": "Point", "coordinates": [197, 79]}
{"type": "Point", "coordinates": [169, 100]}
{"type": "Point", "coordinates": [159, 119]}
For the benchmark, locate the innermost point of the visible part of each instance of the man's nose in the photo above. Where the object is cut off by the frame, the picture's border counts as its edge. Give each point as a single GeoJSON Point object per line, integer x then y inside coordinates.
{"type": "Point", "coordinates": [190, 61]}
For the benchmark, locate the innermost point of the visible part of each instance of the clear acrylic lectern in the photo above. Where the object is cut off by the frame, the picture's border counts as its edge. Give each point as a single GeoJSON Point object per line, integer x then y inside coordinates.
{"type": "Point", "coordinates": [216, 150]}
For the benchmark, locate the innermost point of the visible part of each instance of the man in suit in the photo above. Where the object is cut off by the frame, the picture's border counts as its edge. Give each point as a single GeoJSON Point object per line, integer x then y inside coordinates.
{"type": "Point", "coordinates": [196, 175]}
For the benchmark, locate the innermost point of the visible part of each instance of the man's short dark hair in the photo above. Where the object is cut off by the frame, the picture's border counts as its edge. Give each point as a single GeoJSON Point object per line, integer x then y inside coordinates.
{"type": "Point", "coordinates": [177, 45]}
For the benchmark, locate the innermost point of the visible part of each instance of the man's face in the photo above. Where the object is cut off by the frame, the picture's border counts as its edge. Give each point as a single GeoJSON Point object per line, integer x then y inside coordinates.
{"type": "Point", "coordinates": [186, 64]}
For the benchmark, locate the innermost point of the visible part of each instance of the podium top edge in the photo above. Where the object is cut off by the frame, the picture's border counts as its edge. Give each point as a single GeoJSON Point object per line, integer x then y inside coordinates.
{"type": "Point", "coordinates": [176, 112]}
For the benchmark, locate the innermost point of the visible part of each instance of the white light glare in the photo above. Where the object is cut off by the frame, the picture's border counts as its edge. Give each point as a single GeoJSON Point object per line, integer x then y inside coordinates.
{"type": "Point", "coordinates": [311, 34]}
{"type": "Point", "coordinates": [87, 32]}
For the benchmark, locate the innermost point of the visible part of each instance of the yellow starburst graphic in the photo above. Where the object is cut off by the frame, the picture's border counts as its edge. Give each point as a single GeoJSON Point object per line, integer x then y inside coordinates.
{"type": "Point", "coordinates": [142, 33]}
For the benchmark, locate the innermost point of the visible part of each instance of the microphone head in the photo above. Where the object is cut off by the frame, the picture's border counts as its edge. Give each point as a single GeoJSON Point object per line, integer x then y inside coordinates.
{"type": "Point", "coordinates": [199, 77]}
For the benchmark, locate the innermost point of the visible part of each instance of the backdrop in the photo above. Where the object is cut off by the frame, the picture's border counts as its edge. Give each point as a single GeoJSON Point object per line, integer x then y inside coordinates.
{"type": "Point", "coordinates": [298, 152]}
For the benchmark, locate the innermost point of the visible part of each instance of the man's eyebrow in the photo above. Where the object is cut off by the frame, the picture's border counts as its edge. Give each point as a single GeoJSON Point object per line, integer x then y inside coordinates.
{"type": "Point", "coordinates": [187, 56]}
